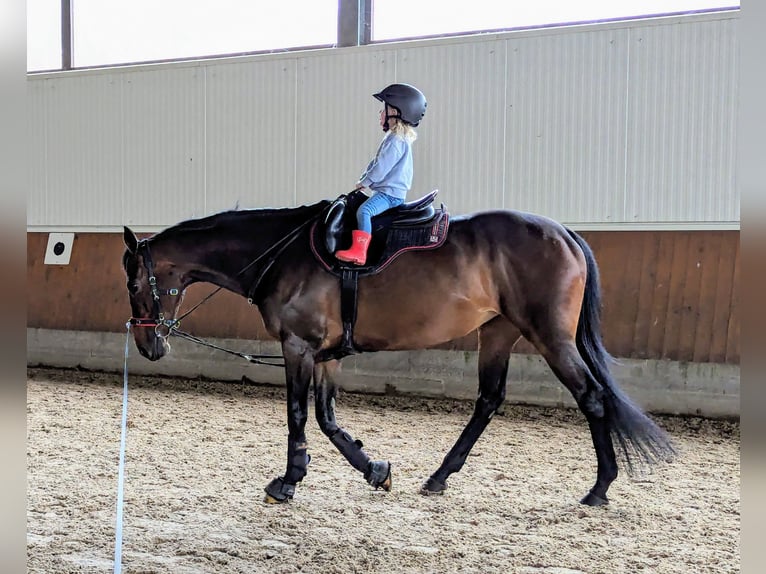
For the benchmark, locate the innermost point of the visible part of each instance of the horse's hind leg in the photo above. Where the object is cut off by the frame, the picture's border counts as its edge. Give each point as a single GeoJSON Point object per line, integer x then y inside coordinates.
{"type": "Point", "coordinates": [496, 339]}
{"type": "Point", "coordinates": [568, 365]}
{"type": "Point", "coordinates": [376, 472]}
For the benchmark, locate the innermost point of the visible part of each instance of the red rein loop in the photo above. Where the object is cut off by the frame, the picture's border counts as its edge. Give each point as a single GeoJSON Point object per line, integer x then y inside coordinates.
{"type": "Point", "coordinates": [162, 328]}
{"type": "Point", "coordinates": [142, 322]}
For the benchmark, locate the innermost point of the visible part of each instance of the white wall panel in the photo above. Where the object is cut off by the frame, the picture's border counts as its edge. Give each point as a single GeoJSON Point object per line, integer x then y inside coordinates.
{"type": "Point", "coordinates": [250, 134]}
{"type": "Point", "coordinates": [460, 144]}
{"type": "Point", "coordinates": [682, 123]}
{"type": "Point", "coordinates": [621, 124]}
{"type": "Point", "coordinates": [37, 153]}
{"type": "Point", "coordinates": [337, 119]}
{"type": "Point", "coordinates": [566, 125]}
{"type": "Point", "coordinates": [164, 151]}
{"type": "Point", "coordinates": [83, 149]}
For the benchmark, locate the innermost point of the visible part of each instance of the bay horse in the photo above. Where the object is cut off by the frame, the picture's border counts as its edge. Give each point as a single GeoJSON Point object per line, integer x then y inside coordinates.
{"type": "Point", "coordinates": [504, 273]}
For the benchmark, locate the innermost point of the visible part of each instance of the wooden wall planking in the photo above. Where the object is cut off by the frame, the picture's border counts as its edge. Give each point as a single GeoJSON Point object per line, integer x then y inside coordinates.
{"type": "Point", "coordinates": [667, 294]}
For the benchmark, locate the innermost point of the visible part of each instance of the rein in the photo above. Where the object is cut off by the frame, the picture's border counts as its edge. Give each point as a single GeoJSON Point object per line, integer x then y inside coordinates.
{"type": "Point", "coordinates": [257, 359]}
{"type": "Point", "coordinates": [166, 327]}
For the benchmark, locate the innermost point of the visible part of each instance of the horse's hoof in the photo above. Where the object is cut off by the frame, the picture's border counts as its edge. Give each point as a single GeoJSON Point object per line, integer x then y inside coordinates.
{"type": "Point", "coordinates": [278, 491]}
{"type": "Point", "coordinates": [591, 499]}
{"type": "Point", "coordinates": [386, 484]}
{"type": "Point", "coordinates": [268, 499]}
{"type": "Point", "coordinates": [379, 474]}
{"type": "Point", "coordinates": [432, 486]}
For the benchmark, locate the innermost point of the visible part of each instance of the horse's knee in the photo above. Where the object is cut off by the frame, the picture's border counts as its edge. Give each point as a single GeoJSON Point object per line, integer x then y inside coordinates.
{"type": "Point", "coordinates": [489, 404]}
{"type": "Point", "coordinates": [328, 426]}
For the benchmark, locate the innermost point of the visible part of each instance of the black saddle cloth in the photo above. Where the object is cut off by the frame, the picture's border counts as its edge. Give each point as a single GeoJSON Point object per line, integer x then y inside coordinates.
{"type": "Point", "coordinates": [416, 225]}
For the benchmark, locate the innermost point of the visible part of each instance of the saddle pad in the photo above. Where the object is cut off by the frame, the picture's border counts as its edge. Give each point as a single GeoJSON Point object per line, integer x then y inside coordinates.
{"type": "Point", "coordinates": [398, 240]}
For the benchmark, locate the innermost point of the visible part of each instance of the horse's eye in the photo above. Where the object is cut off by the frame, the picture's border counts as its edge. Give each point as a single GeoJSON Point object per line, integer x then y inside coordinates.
{"type": "Point", "coordinates": [132, 287]}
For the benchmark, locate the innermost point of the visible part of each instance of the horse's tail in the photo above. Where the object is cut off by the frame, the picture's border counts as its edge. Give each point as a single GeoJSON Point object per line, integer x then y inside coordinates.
{"type": "Point", "coordinates": [639, 438]}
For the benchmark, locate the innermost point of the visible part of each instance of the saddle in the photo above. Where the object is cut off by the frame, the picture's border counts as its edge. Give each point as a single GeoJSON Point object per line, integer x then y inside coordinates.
{"type": "Point", "coordinates": [412, 226]}
{"type": "Point", "coordinates": [416, 225]}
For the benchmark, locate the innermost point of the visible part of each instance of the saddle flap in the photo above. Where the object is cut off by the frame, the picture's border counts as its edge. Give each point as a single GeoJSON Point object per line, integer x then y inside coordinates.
{"type": "Point", "coordinates": [333, 223]}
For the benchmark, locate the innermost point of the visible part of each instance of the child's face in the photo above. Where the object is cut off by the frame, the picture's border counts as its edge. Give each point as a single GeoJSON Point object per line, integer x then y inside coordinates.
{"type": "Point", "coordinates": [391, 112]}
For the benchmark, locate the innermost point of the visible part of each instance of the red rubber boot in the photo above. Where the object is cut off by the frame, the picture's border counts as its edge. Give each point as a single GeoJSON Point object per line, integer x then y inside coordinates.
{"type": "Point", "coordinates": [357, 253]}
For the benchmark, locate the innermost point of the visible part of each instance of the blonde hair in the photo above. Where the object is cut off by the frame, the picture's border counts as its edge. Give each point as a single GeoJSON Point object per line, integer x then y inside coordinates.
{"type": "Point", "coordinates": [403, 130]}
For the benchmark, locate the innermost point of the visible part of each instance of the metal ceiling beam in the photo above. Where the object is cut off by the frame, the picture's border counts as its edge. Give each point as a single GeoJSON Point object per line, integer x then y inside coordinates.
{"type": "Point", "coordinates": [66, 34]}
{"type": "Point", "coordinates": [354, 22]}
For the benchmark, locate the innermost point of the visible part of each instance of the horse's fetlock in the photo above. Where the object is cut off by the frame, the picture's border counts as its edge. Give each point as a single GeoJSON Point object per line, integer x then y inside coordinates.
{"type": "Point", "coordinates": [298, 460]}
{"type": "Point", "coordinates": [280, 490]}
{"type": "Point", "coordinates": [377, 473]}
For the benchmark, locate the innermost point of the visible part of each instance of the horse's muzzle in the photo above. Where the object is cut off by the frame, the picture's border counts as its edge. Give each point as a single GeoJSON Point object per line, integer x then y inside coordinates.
{"type": "Point", "coordinates": [157, 348]}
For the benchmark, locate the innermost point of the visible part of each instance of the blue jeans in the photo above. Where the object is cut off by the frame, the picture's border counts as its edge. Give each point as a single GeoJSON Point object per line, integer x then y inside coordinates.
{"type": "Point", "coordinates": [378, 203]}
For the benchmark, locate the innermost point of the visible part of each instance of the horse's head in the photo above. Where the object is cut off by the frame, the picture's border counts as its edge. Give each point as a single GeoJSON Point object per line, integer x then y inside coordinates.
{"type": "Point", "coordinates": [155, 289]}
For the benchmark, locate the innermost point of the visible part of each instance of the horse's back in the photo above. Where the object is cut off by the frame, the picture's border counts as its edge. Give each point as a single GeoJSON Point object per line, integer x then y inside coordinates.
{"type": "Point", "coordinates": [516, 230]}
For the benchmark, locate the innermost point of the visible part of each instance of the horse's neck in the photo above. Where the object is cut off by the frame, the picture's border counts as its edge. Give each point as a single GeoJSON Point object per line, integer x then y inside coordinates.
{"type": "Point", "coordinates": [222, 261]}
{"type": "Point", "coordinates": [227, 256]}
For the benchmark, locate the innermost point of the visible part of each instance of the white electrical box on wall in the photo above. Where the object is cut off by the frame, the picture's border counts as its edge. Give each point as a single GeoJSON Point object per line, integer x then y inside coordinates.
{"type": "Point", "coordinates": [59, 248]}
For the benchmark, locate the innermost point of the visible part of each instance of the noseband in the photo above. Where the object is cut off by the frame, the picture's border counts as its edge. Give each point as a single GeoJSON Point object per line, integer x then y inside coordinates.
{"type": "Point", "coordinates": [162, 326]}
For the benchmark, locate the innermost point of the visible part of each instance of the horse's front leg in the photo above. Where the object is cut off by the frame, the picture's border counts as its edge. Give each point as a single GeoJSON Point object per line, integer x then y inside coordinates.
{"type": "Point", "coordinates": [299, 365]}
{"type": "Point", "coordinates": [376, 472]}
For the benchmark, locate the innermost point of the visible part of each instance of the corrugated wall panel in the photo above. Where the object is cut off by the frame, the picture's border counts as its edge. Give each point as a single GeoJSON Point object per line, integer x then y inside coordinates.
{"type": "Point", "coordinates": [460, 145]}
{"type": "Point", "coordinates": [566, 125]}
{"type": "Point", "coordinates": [164, 152]}
{"type": "Point", "coordinates": [682, 123]}
{"type": "Point", "coordinates": [83, 150]}
{"type": "Point", "coordinates": [337, 120]}
{"type": "Point", "coordinates": [623, 123]}
{"type": "Point", "coordinates": [38, 164]}
{"type": "Point", "coordinates": [250, 127]}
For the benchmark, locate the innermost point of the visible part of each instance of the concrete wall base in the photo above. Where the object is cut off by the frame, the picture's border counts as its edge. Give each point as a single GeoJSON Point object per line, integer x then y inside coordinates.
{"type": "Point", "coordinates": [669, 387]}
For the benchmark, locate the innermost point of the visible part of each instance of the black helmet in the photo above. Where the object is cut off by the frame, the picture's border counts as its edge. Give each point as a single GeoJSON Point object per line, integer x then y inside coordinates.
{"type": "Point", "coordinates": [408, 100]}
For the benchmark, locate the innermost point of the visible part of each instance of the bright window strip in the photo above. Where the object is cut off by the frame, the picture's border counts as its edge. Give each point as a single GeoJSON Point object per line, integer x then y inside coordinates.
{"type": "Point", "coordinates": [43, 35]}
{"type": "Point", "coordinates": [110, 32]}
{"type": "Point", "coordinates": [397, 19]}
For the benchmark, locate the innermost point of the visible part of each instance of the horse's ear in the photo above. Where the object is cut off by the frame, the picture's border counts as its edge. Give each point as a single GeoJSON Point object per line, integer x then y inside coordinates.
{"type": "Point", "coordinates": [131, 241]}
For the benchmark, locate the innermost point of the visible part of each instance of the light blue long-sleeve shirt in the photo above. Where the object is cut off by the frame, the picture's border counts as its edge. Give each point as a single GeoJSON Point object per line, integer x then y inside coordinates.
{"type": "Point", "coordinates": [390, 171]}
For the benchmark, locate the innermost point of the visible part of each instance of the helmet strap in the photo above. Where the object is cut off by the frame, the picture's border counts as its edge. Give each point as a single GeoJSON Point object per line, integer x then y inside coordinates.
{"type": "Point", "coordinates": [386, 126]}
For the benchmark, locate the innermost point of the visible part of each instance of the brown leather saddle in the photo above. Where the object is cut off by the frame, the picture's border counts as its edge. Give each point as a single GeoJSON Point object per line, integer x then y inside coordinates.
{"type": "Point", "coordinates": [412, 226]}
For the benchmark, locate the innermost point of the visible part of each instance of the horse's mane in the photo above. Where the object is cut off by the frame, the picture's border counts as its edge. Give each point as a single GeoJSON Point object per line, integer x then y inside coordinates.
{"type": "Point", "coordinates": [240, 217]}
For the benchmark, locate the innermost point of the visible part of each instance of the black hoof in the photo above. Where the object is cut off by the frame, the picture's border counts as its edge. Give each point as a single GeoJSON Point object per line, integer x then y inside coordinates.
{"type": "Point", "coordinates": [278, 491]}
{"type": "Point", "coordinates": [433, 486]}
{"type": "Point", "coordinates": [592, 500]}
{"type": "Point", "coordinates": [379, 474]}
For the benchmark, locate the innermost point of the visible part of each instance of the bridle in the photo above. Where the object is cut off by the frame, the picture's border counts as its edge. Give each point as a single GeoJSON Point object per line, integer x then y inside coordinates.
{"type": "Point", "coordinates": [162, 326]}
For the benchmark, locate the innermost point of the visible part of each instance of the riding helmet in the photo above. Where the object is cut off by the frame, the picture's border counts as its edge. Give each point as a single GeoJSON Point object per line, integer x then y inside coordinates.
{"type": "Point", "coordinates": [408, 100]}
